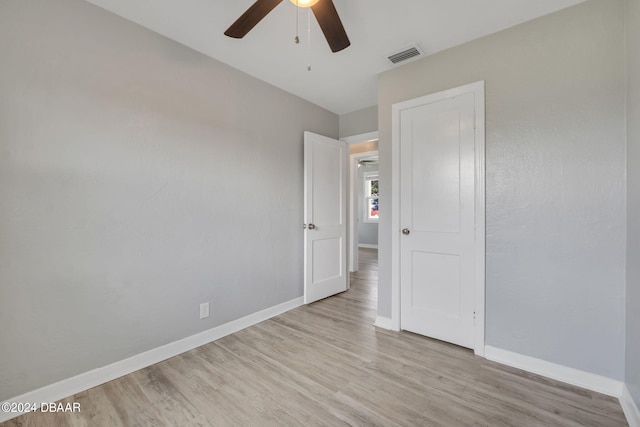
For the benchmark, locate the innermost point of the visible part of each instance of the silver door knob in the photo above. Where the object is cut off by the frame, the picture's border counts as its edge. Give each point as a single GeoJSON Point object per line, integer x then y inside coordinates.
{"type": "Point", "coordinates": [405, 231]}
{"type": "Point", "coordinates": [311, 227]}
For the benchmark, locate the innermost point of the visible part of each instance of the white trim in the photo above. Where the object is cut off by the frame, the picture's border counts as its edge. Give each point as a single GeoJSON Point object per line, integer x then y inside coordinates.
{"type": "Point", "coordinates": [477, 89]}
{"type": "Point", "coordinates": [554, 371]}
{"type": "Point", "coordinates": [96, 377]}
{"type": "Point", "coordinates": [630, 408]}
{"type": "Point", "coordinates": [395, 216]}
{"type": "Point", "coordinates": [363, 137]}
{"type": "Point", "coordinates": [354, 205]}
{"type": "Point", "coordinates": [384, 323]}
{"type": "Point", "coordinates": [367, 246]}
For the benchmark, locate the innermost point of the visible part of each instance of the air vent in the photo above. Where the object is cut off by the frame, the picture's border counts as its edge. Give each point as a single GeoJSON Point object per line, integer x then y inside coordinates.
{"type": "Point", "coordinates": [407, 53]}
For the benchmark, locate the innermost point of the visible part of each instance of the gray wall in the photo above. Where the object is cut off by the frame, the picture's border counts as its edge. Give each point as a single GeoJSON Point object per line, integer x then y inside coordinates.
{"type": "Point", "coordinates": [138, 179]}
{"type": "Point", "coordinates": [633, 199]}
{"type": "Point", "coordinates": [360, 121]}
{"type": "Point", "coordinates": [555, 181]}
{"type": "Point", "coordinates": [368, 233]}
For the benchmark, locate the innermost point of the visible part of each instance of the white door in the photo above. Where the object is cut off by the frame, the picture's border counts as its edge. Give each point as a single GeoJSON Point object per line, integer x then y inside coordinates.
{"type": "Point", "coordinates": [325, 217]}
{"type": "Point", "coordinates": [437, 218]}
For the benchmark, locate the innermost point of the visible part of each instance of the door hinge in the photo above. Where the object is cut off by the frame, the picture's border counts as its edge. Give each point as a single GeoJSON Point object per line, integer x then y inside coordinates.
{"type": "Point", "coordinates": [474, 317]}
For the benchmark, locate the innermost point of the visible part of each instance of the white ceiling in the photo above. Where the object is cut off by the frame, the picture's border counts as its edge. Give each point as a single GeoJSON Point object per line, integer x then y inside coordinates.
{"type": "Point", "coordinates": [340, 82]}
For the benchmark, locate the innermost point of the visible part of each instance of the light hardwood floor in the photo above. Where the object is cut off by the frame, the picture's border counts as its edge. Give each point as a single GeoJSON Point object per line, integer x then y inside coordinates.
{"type": "Point", "coordinates": [326, 365]}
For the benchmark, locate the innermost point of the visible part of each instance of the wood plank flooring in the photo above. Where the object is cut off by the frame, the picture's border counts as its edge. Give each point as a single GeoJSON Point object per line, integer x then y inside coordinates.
{"type": "Point", "coordinates": [326, 365]}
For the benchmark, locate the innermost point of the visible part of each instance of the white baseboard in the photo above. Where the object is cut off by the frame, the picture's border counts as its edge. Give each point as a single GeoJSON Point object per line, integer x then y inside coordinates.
{"type": "Point", "coordinates": [384, 323]}
{"type": "Point", "coordinates": [630, 408]}
{"type": "Point", "coordinates": [96, 377]}
{"type": "Point", "coordinates": [554, 371]}
{"type": "Point", "coordinates": [367, 246]}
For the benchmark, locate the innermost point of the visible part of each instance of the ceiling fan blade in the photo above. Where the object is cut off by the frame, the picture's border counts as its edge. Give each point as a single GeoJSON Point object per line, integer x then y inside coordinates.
{"type": "Point", "coordinates": [250, 18]}
{"type": "Point", "coordinates": [327, 16]}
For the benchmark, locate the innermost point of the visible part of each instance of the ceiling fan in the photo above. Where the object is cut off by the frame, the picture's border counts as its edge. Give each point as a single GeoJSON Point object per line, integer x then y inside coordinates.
{"type": "Point", "coordinates": [324, 11]}
{"type": "Point", "coordinates": [368, 162]}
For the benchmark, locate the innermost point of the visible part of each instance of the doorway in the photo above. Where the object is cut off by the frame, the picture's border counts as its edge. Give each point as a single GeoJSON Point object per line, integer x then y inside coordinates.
{"type": "Point", "coordinates": [363, 212]}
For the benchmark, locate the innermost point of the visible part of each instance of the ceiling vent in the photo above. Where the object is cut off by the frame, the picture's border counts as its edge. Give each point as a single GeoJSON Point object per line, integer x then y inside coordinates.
{"type": "Point", "coordinates": [410, 52]}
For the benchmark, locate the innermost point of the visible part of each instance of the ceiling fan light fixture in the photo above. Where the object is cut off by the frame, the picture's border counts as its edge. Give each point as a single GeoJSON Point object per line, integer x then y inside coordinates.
{"type": "Point", "coordinates": [304, 3]}
{"type": "Point", "coordinates": [324, 11]}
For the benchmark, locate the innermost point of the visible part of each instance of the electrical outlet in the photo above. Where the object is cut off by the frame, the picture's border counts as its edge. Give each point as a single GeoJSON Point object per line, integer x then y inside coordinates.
{"type": "Point", "coordinates": [204, 310]}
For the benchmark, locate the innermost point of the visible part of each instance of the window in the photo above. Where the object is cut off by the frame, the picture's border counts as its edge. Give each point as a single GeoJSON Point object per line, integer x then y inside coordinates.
{"type": "Point", "coordinates": [371, 197]}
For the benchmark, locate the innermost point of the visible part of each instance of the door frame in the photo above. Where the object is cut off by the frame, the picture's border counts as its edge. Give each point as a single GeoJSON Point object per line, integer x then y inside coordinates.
{"type": "Point", "coordinates": [352, 231]}
{"type": "Point", "coordinates": [478, 89]}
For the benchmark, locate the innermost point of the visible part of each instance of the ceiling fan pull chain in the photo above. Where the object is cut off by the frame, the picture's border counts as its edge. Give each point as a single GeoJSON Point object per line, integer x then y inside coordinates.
{"type": "Point", "coordinates": [297, 39]}
{"type": "Point", "coordinates": [309, 39]}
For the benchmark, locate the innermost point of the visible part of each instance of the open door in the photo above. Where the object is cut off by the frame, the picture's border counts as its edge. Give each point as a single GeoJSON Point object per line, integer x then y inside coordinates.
{"type": "Point", "coordinates": [325, 217]}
